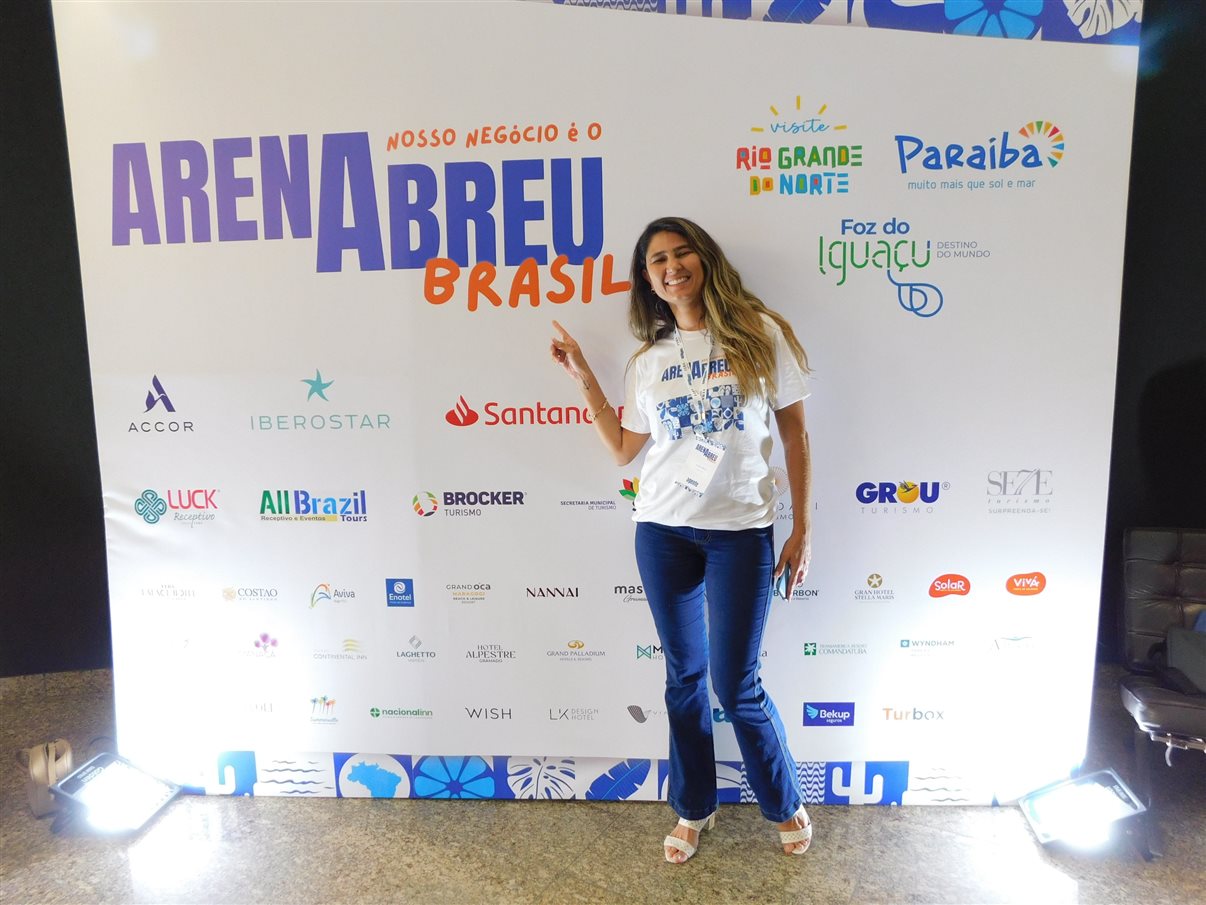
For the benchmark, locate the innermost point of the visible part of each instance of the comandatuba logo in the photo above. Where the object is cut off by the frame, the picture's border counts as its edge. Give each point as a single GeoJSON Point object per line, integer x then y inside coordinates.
{"type": "Point", "coordinates": [193, 506]}
{"type": "Point", "coordinates": [312, 506]}
{"type": "Point", "coordinates": [462, 414]}
{"type": "Point", "coordinates": [320, 415]}
{"type": "Point", "coordinates": [899, 497]}
{"type": "Point", "coordinates": [160, 404]}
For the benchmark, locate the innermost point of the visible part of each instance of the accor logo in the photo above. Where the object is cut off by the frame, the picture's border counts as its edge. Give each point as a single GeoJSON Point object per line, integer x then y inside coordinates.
{"type": "Point", "coordinates": [1026, 584]}
{"type": "Point", "coordinates": [945, 585]}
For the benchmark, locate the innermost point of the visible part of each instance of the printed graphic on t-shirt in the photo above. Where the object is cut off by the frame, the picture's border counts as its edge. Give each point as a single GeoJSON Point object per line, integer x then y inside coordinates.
{"type": "Point", "coordinates": [722, 403]}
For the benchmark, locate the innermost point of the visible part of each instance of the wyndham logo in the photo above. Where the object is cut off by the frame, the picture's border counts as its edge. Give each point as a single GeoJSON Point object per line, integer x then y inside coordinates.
{"type": "Point", "coordinates": [829, 713]}
{"type": "Point", "coordinates": [399, 592]}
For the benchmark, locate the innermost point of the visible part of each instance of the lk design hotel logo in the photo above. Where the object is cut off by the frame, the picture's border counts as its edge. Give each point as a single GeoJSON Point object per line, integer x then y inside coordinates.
{"type": "Point", "coordinates": [321, 413]}
{"type": "Point", "coordinates": [798, 149]}
{"type": "Point", "coordinates": [160, 413]}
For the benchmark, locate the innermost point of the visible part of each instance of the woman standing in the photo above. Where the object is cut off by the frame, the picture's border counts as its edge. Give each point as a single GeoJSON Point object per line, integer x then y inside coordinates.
{"type": "Point", "coordinates": [714, 364]}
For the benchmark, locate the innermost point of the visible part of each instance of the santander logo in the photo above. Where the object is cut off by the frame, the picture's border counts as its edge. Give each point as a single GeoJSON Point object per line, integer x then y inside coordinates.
{"type": "Point", "coordinates": [461, 415]}
{"type": "Point", "coordinates": [945, 585]}
{"type": "Point", "coordinates": [1026, 584]}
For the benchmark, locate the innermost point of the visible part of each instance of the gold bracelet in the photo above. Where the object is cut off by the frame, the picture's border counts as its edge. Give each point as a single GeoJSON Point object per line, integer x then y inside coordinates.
{"type": "Point", "coordinates": [595, 413]}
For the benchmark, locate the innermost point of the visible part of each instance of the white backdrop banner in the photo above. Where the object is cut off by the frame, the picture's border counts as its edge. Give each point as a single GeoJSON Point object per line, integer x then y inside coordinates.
{"type": "Point", "coordinates": [362, 539]}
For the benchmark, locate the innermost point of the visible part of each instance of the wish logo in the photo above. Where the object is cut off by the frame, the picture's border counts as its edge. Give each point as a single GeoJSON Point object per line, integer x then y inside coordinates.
{"type": "Point", "coordinates": [497, 413]}
{"type": "Point", "coordinates": [814, 156]}
{"type": "Point", "coordinates": [1020, 491]}
{"type": "Point", "coordinates": [399, 592]}
{"type": "Point", "coordinates": [318, 417]}
{"type": "Point", "coordinates": [311, 506]}
{"type": "Point", "coordinates": [191, 506]}
{"type": "Point", "coordinates": [829, 713]}
{"type": "Point", "coordinates": [899, 498]}
{"type": "Point", "coordinates": [488, 713]}
{"type": "Point", "coordinates": [157, 398]}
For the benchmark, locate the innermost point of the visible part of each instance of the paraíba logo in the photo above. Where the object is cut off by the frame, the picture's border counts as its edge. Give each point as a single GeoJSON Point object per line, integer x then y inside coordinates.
{"type": "Point", "coordinates": [462, 414]}
{"type": "Point", "coordinates": [1038, 144]}
{"type": "Point", "coordinates": [820, 164]}
{"type": "Point", "coordinates": [1026, 584]}
{"type": "Point", "coordinates": [839, 713]}
{"type": "Point", "coordinates": [158, 400]}
{"type": "Point", "coordinates": [320, 414]}
{"type": "Point", "coordinates": [193, 506]}
{"type": "Point", "coordinates": [903, 497]}
{"type": "Point", "coordinates": [312, 506]}
{"type": "Point", "coordinates": [465, 503]}
{"type": "Point", "coordinates": [553, 592]}
{"type": "Point", "coordinates": [951, 583]}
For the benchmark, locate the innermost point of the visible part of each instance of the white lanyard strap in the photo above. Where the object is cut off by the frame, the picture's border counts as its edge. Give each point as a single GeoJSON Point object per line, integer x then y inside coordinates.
{"type": "Point", "coordinates": [698, 395]}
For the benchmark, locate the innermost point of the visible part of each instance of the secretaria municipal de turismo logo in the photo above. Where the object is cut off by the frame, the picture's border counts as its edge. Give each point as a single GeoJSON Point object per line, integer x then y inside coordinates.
{"type": "Point", "coordinates": [159, 403]}
{"type": "Point", "coordinates": [191, 505]}
{"type": "Point", "coordinates": [320, 413]}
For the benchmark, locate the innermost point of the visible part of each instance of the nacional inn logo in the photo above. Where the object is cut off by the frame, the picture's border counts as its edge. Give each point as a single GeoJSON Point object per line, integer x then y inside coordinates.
{"type": "Point", "coordinates": [191, 506]}
{"type": "Point", "coordinates": [809, 161]}
{"type": "Point", "coordinates": [1026, 584]}
{"type": "Point", "coordinates": [160, 404]}
{"type": "Point", "coordinates": [829, 713]}
{"type": "Point", "coordinates": [946, 585]}
{"type": "Point", "coordinates": [1020, 491]}
{"type": "Point", "coordinates": [312, 506]}
{"type": "Point", "coordinates": [464, 503]}
{"type": "Point", "coordinates": [462, 414]}
{"type": "Point", "coordinates": [903, 497]}
{"type": "Point", "coordinates": [400, 713]}
{"type": "Point", "coordinates": [399, 592]}
{"type": "Point", "coordinates": [319, 416]}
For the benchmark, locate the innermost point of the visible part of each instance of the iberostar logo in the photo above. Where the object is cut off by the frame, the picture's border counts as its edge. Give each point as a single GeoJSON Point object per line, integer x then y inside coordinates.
{"type": "Point", "coordinates": [318, 386]}
{"type": "Point", "coordinates": [810, 163]}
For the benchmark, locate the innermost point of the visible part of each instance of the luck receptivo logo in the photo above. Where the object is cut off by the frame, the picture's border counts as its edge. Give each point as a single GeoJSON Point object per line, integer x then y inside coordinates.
{"type": "Point", "coordinates": [319, 415]}
{"type": "Point", "coordinates": [948, 584]}
{"type": "Point", "coordinates": [158, 401]}
{"type": "Point", "coordinates": [193, 506]}
{"type": "Point", "coordinates": [312, 506]}
{"type": "Point", "coordinates": [462, 414]}
{"type": "Point", "coordinates": [1026, 584]}
{"type": "Point", "coordinates": [840, 713]}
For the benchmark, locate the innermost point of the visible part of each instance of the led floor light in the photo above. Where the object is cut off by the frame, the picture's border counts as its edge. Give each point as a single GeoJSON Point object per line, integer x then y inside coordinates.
{"type": "Point", "coordinates": [1081, 812]}
{"type": "Point", "coordinates": [114, 795]}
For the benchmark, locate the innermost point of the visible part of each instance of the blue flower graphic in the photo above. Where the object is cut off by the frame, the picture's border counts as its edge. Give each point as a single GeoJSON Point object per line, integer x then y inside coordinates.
{"type": "Point", "coordinates": [994, 18]}
{"type": "Point", "coordinates": [453, 777]}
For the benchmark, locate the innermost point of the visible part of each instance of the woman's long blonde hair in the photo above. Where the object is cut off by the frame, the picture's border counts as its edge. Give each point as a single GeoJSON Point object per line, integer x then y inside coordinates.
{"type": "Point", "coordinates": [733, 314]}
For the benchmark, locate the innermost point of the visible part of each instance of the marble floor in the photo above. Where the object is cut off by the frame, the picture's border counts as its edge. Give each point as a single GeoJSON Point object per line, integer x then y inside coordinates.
{"type": "Point", "coordinates": [211, 849]}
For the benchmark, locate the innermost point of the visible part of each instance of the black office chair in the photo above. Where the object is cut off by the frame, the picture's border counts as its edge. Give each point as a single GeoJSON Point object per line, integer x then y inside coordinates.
{"type": "Point", "coordinates": [1165, 582]}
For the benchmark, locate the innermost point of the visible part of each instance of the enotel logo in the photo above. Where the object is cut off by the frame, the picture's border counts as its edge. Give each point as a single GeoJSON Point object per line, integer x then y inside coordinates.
{"type": "Point", "coordinates": [463, 414]}
{"type": "Point", "coordinates": [945, 585]}
{"type": "Point", "coordinates": [1026, 584]}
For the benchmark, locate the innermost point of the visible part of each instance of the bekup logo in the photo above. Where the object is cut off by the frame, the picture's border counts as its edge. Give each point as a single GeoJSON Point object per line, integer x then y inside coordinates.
{"type": "Point", "coordinates": [461, 415]}
{"type": "Point", "coordinates": [946, 585]}
{"type": "Point", "coordinates": [839, 713]}
{"type": "Point", "coordinates": [1026, 584]}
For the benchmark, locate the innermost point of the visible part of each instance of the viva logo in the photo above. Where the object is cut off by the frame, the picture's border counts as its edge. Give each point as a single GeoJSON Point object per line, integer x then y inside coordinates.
{"type": "Point", "coordinates": [1026, 584]}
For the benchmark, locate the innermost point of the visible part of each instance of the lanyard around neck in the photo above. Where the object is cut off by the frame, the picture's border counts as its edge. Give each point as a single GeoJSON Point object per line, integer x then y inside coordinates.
{"type": "Point", "coordinates": [698, 395]}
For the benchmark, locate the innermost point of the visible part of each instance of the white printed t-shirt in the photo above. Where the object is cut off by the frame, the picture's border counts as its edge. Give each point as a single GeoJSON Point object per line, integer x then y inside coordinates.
{"type": "Point", "coordinates": [658, 401]}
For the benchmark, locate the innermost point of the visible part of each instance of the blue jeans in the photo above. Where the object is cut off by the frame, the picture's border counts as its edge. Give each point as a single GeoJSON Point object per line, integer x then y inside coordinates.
{"type": "Point", "coordinates": [737, 568]}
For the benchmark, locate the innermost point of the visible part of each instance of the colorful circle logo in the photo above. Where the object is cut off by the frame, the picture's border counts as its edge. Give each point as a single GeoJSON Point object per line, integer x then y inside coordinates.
{"type": "Point", "coordinates": [425, 503]}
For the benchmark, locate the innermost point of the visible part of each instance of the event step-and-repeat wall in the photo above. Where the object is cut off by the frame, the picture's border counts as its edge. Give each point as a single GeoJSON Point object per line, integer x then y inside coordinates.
{"type": "Point", "coordinates": [362, 539]}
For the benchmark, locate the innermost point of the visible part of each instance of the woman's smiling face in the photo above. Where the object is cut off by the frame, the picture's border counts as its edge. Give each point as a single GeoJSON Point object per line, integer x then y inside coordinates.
{"type": "Point", "coordinates": [673, 268]}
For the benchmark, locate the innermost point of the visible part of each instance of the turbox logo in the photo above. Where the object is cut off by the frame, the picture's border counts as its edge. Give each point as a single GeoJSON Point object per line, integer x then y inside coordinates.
{"type": "Point", "coordinates": [829, 713]}
{"type": "Point", "coordinates": [945, 585]}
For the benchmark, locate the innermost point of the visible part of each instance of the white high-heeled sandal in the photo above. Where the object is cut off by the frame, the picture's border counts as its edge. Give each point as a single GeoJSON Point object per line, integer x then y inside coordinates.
{"type": "Point", "coordinates": [804, 834]}
{"type": "Point", "coordinates": [682, 844]}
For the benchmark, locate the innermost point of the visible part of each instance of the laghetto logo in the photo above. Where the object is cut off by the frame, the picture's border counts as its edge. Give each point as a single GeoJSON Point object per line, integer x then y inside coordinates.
{"type": "Point", "coordinates": [945, 585]}
{"type": "Point", "coordinates": [1026, 584]}
{"type": "Point", "coordinates": [1042, 144]}
{"type": "Point", "coordinates": [496, 413]}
